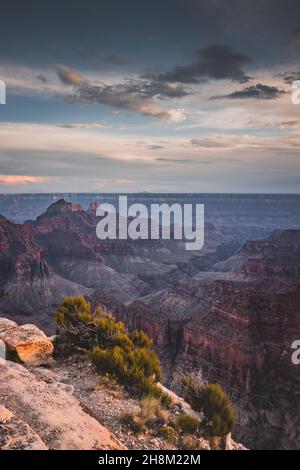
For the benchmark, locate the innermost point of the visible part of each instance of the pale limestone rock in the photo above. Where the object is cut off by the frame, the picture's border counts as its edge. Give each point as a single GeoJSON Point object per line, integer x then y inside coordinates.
{"type": "Point", "coordinates": [54, 414]}
{"type": "Point", "coordinates": [230, 444]}
{"type": "Point", "coordinates": [6, 324]}
{"type": "Point", "coordinates": [15, 434]}
{"type": "Point", "coordinates": [179, 401]}
{"type": "Point", "coordinates": [5, 414]}
{"type": "Point", "coordinates": [30, 344]}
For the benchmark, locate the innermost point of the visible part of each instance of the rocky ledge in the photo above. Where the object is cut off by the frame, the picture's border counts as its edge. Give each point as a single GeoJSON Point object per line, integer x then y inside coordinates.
{"type": "Point", "coordinates": [48, 404]}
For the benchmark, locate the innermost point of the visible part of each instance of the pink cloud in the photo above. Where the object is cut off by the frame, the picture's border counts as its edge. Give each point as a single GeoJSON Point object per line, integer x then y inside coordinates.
{"type": "Point", "coordinates": [10, 180]}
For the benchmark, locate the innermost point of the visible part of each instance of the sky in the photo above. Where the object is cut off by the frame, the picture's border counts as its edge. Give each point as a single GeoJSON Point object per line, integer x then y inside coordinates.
{"type": "Point", "coordinates": [158, 96]}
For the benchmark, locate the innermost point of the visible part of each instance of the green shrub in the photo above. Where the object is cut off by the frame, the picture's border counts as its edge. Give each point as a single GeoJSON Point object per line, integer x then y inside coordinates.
{"type": "Point", "coordinates": [72, 308]}
{"type": "Point", "coordinates": [149, 387]}
{"type": "Point", "coordinates": [187, 423]}
{"type": "Point", "coordinates": [128, 357]}
{"type": "Point", "coordinates": [140, 339]}
{"type": "Point", "coordinates": [122, 340]}
{"type": "Point", "coordinates": [219, 416]}
{"type": "Point", "coordinates": [109, 361]}
{"type": "Point", "coordinates": [168, 433]}
{"type": "Point", "coordinates": [107, 329]}
{"type": "Point", "coordinates": [150, 408]}
{"type": "Point", "coordinates": [106, 380]}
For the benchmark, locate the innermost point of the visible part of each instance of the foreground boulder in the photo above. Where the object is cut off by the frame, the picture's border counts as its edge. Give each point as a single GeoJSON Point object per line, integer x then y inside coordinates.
{"type": "Point", "coordinates": [50, 412]}
{"type": "Point", "coordinates": [26, 342]}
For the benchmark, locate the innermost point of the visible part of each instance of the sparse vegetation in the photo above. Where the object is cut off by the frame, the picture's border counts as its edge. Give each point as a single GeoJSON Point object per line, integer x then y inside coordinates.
{"type": "Point", "coordinates": [127, 356]}
{"type": "Point", "coordinates": [168, 433]}
{"type": "Point", "coordinates": [128, 359]}
{"type": "Point", "coordinates": [219, 417]}
{"type": "Point", "coordinates": [187, 423]}
{"type": "Point", "coordinates": [189, 443]}
{"type": "Point", "coordinates": [133, 420]}
{"type": "Point", "coordinates": [150, 408]}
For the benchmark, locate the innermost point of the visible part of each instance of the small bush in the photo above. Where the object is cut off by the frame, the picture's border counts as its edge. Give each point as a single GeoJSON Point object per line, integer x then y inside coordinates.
{"type": "Point", "coordinates": [122, 340]}
{"type": "Point", "coordinates": [187, 423]}
{"type": "Point", "coordinates": [168, 433]}
{"type": "Point", "coordinates": [148, 387]}
{"type": "Point", "coordinates": [189, 443]}
{"type": "Point", "coordinates": [219, 417]}
{"type": "Point", "coordinates": [109, 361]}
{"type": "Point", "coordinates": [128, 357]}
{"type": "Point", "coordinates": [72, 308]}
{"type": "Point", "coordinates": [107, 330]}
{"type": "Point", "coordinates": [107, 381]}
{"type": "Point", "coordinates": [140, 339]}
{"type": "Point", "coordinates": [133, 420]}
{"type": "Point", "coordinates": [150, 408]}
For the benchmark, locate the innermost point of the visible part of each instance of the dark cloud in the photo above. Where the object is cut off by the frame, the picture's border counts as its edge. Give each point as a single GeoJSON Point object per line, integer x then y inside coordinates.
{"type": "Point", "coordinates": [290, 77]}
{"type": "Point", "coordinates": [213, 62]}
{"type": "Point", "coordinates": [69, 76]}
{"type": "Point", "coordinates": [96, 125]}
{"type": "Point", "coordinates": [258, 91]}
{"type": "Point", "coordinates": [41, 78]}
{"type": "Point", "coordinates": [135, 95]}
{"type": "Point", "coordinates": [290, 124]}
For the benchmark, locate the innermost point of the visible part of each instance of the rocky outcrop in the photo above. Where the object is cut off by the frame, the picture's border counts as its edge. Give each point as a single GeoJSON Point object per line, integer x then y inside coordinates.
{"type": "Point", "coordinates": [52, 417]}
{"type": "Point", "coordinates": [61, 407]}
{"type": "Point", "coordinates": [15, 434]}
{"type": "Point", "coordinates": [26, 342]}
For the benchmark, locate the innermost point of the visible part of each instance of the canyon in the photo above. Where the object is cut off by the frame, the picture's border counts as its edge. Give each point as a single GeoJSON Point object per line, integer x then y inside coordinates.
{"type": "Point", "coordinates": [230, 311]}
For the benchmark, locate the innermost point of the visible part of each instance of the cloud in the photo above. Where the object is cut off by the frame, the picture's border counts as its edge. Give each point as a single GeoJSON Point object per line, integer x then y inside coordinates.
{"type": "Point", "coordinates": [224, 141]}
{"type": "Point", "coordinates": [69, 76]}
{"type": "Point", "coordinates": [290, 77]}
{"type": "Point", "coordinates": [213, 62]}
{"type": "Point", "coordinates": [115, 181]}
{"type": "Point", "coordinates": [42, 79]}
{"type": "Point", "coordinates": [11, 180]}
{"type": "Point", "coordinates": [134, 95]}
{"type": "Point", "coordinates": [97, 125]}
{"type": "Point", "coordinates": [174, 160]}
{"type": "Point", "coordinates": [280, 143]}
{"type": "Point", "coordinates": [193, 161]}
{"type": "Point", "coordinates": [291, 123]}
{"type": "Point", "coordinates": [154, 147]}
{"type": "Point", "coordinates": [258, 91]}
